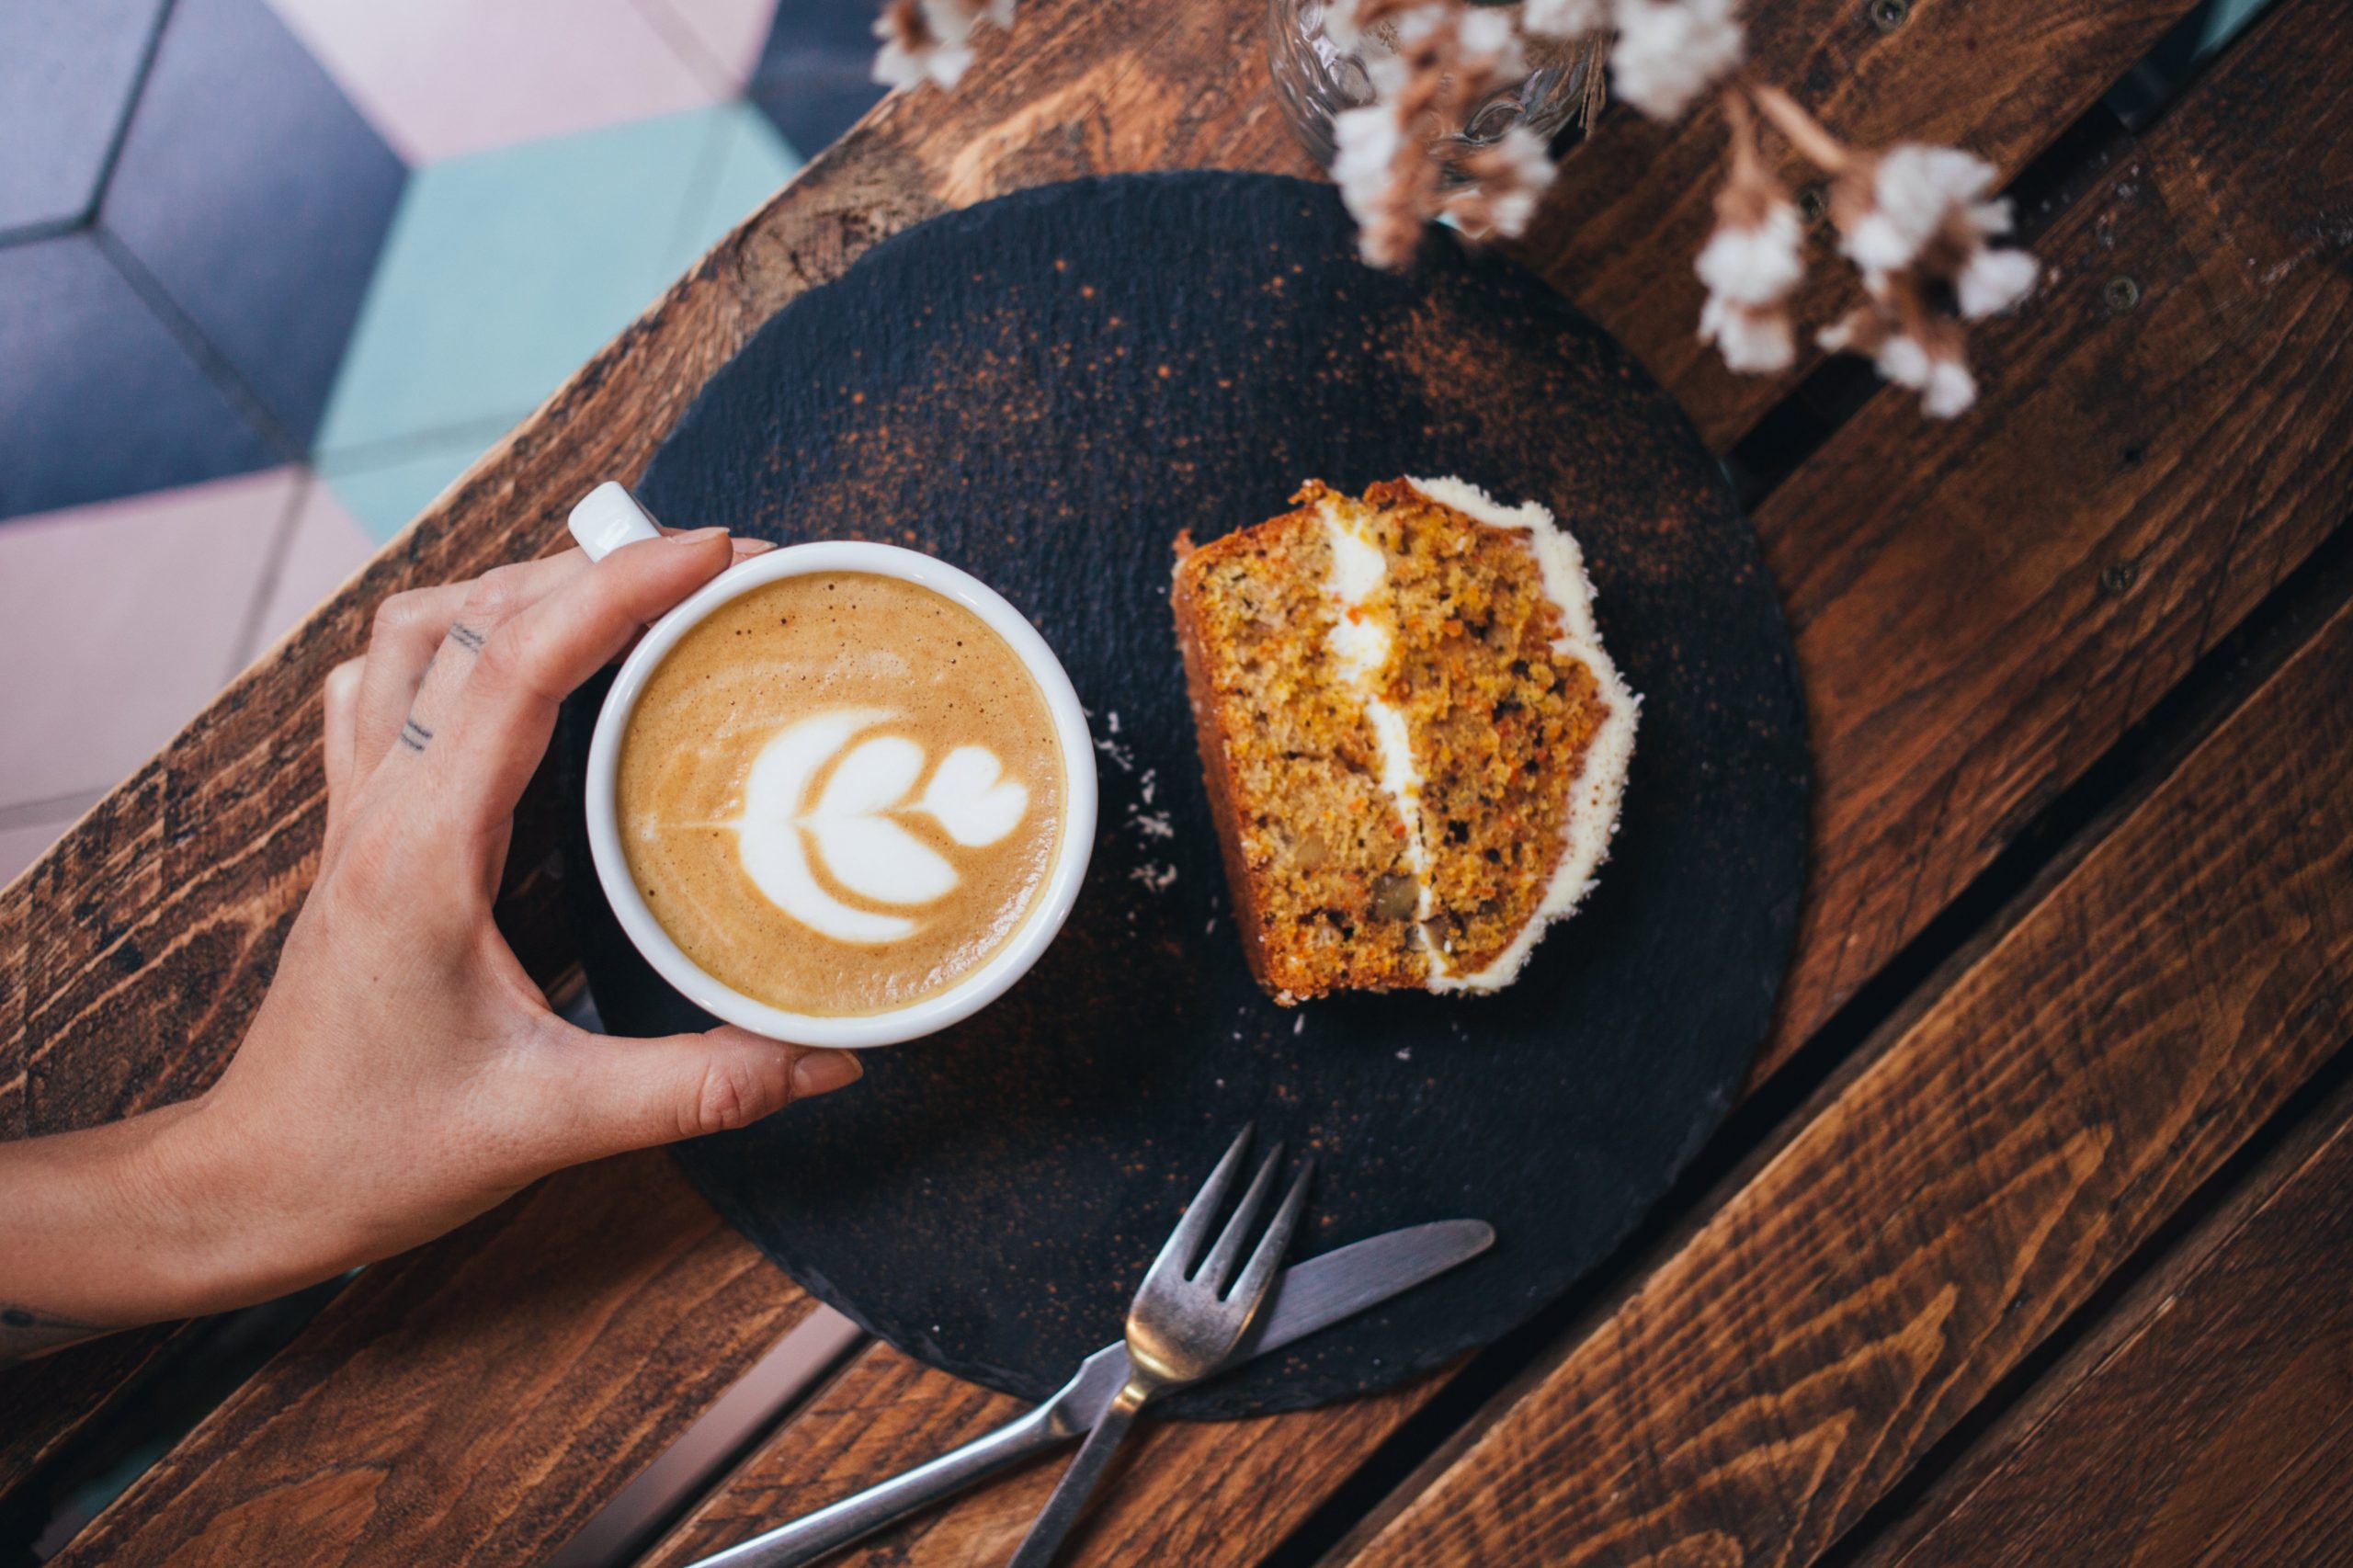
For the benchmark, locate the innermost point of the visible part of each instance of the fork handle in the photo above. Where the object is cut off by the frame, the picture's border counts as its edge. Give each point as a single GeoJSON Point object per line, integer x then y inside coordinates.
{"type": "Point", "coordinates": [1061, 1511]}
{"type": "Point", "coordinates": [830, 1529]}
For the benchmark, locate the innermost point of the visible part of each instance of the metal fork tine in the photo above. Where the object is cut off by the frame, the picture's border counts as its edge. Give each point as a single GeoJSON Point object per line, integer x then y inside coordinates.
{"type": "Point", "coordinates": [1218, 1268]}
{"type": "Point", "coordinates": [1252, 1286]}
{"type": "Point", "coordinates": [1184, 1242]}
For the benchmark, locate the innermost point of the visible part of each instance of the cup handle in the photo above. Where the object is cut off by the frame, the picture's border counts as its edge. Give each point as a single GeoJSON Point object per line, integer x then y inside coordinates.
{"type": "Point", "coordinates": [609, 518]}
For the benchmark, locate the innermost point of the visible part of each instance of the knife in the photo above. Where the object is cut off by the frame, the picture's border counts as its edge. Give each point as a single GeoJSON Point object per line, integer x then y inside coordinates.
{"type": "Point", "coordinates": [1308, 1296]}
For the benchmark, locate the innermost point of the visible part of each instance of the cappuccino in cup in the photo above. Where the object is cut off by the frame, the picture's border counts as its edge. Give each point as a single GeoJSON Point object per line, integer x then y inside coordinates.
{"type": "Point", "coordinates": [840, 793]}
{"type": "Point", "coordinates": [844, 795]}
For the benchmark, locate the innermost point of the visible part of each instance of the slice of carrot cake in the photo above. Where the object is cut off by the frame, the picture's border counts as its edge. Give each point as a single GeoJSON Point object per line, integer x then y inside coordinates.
{"type": "Point", "coordinates": [1414, 743]}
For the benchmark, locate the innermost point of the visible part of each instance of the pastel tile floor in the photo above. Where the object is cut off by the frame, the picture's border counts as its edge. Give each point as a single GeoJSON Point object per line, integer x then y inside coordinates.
{"type": "Point", "coordinates": [273, 273]}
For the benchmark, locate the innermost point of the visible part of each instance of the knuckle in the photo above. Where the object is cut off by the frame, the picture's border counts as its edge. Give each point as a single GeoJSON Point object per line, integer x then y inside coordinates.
{"type": "Point", "coordinates": [507, 659]}
{"type": "Point", "coordinates": [364, 865]}
{"type": "Point", "coordinates": [402, 616]}
{"type": "Point", "coordinates": [496, 594]}
{"type": "Point", "coordinates": [732, 1094]}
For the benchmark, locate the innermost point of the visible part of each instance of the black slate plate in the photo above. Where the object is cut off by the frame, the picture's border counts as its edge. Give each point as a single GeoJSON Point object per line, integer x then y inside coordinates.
{"type": "Point", "coordinates": [1044, 389]}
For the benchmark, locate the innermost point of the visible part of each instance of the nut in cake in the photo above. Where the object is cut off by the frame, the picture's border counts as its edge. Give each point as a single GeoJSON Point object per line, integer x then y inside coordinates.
{"type": "Point", "coordinates": [1414, 742]}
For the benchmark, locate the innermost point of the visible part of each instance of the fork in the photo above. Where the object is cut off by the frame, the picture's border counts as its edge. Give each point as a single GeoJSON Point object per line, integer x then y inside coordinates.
{"type": "Point", "coordinates": [1182, 1326]}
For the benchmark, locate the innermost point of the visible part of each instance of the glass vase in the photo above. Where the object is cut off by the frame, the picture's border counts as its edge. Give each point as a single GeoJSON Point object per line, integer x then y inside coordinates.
{"type": "Point", "coordinates": [1316, 79]}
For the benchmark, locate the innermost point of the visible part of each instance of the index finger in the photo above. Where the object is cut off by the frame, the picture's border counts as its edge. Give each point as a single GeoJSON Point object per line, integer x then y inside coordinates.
{"type": "Point", "coordinates": [507, 708]}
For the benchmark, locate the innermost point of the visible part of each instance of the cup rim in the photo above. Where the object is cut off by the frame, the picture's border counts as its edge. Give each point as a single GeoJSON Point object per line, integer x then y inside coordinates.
{"type": "Point", "coordinates": [976, 989]}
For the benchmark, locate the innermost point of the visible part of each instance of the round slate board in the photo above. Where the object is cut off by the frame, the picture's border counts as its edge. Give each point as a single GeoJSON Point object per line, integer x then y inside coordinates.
{"type": "Point", "coordinates": [1043, 389]}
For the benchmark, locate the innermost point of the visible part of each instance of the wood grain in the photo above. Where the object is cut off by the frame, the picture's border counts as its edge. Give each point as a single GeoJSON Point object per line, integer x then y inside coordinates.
{"type": "Point", "coordinates": [1982, 610]}
{"type": "Point", "coordinates": [1635, 203]}
{"type": "Point", "coordinates": [2212, 1423]}
{"type": "Point", "coordinates": [137, 949]}
{"type": "Point", "coordinates": [1964, 1194]}
{"type": "Point", "coordinates": [155, 925]}
{"type": "Point", "coordinates": [1963, 662]}
{"type": "Point", "coordinates": [132, 954]}
{"type": "Point", "coordinates": [492, 1374]}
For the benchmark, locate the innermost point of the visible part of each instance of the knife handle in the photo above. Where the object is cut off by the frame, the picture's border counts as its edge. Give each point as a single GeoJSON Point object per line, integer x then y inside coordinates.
{"type": "Point", "coordinates": [828, 1529]}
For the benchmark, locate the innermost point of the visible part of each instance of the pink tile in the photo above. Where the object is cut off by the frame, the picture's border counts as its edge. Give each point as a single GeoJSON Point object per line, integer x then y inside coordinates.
{"type": "Point", "coordinates": [118, 621]}
{"type": "Point", "coordinates": [443, 77]}
{"type": "Point", "coordinates": [326, 547]}
{"type": "Point", "coordinates": [728, 32]}
{"type": "Point", "coordinates": [23, 844]}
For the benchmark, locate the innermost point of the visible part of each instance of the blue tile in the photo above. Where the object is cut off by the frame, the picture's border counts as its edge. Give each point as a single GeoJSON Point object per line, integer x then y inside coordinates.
{"type": "Point", "coordinates": [816, 72]}
{"type": "Point", "coordinates": [831, 26]}
{"type": "Point", "coordinates": [68, 69]}
{"type": "Point", "coordinates": [386, 495]}
{"type": "Point", "coordinates": [98, 401]}
{"type": "Point", "coordinates": [256, 198]}
{"type": "Point", "coordinates": [506, 269]}
{"type": "Point", "coordinates": [748, 163]}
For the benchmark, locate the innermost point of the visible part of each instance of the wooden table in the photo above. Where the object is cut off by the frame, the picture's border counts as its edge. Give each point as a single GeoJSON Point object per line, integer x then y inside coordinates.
{"type": "Point", "coordinates": [2030, 1242]}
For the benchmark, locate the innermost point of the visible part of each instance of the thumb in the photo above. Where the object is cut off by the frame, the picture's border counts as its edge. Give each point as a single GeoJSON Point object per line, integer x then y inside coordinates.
{"type": "Point", "coordinates": [632, 1093]}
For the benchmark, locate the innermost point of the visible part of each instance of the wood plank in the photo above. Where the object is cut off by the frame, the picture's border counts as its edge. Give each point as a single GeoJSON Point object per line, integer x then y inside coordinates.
{"type": "Point", "coordinates": [1981, 614]}
{"type": "Point", "coordinates": [1045, 116]}
{"type": "Point", "coordinates": [135, 951]}
{"type": "Point", "coordinates": [2212, 1419]}
{"type": "Point", "coordinates": [887, 1411]}
{"type": "Point", "coordinates": [1634, 205]}
{"type": "Point", "coordinates": [495, 1374]}
{"type": "Point", "coordinates": [1965, 667]}
{"type": "Point", "coordinates": [1963, 1194]}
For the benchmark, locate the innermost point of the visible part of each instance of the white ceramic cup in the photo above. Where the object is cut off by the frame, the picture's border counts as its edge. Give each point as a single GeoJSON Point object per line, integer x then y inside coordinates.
{"type": "Point", "coordinates": [610, 517]}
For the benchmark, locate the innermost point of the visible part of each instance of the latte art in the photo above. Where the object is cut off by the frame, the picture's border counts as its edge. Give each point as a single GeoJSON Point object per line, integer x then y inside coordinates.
{"type": "Point", "coordinates": [840, 793]}
{"type": "Point", "coordinates": [850, 826]}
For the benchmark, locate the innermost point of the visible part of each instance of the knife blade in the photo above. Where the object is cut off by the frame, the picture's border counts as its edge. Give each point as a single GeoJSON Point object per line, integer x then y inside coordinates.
{"type": "Point", "coordinates": [1309, 1296]}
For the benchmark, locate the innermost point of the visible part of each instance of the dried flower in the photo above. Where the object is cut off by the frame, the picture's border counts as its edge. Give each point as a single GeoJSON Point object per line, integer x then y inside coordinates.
{"type": "Point", "coordinates": [1565, 18]}
{"type": "Point", "coordinates": [1891, 206]}
{"type": "Point", "coordinates": [1751, 338]}
{"type": "Point", "coordinates": [1373, 166]}
{"type": "Point", "coordinates": [1994, 280]}
{"type": "Point", "coordinates": [1910, 348]}
{"type": "Point", "coordinates": [1508, 175]}
{"type": "Point", "coordinates": [1430, 69]}
{"type": "Point", "coordinates": [931, 39]}
{"type": "Point", "coordinates": [1670, 52]}
{"type": "Point", "coordinates": [1751, 263]}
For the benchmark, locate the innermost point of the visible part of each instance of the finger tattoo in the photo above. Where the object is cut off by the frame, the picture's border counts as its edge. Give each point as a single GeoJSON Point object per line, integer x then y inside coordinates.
{"type": "Point", "coordinates": [466, 637]}
{"type": "Point", "coordinates": [414, 736]}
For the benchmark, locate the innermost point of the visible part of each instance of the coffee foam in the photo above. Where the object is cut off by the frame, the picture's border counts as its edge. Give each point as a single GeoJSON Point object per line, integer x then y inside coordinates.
{"type": "Point", "coordinates": [840, 793]}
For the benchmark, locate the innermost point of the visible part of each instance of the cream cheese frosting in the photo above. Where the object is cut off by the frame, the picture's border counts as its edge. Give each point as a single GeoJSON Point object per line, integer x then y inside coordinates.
{"type": "Point", "coordinates": [1361, 641]}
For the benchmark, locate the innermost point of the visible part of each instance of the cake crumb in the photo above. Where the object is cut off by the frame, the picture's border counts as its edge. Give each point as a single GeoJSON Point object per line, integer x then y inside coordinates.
{"type": "Point", "coordinates": [1299, 1025]}
{"type": "Point", "coordinates": [1405, 1053]}
{"type": "Point", "coordinates": [1154, 875]}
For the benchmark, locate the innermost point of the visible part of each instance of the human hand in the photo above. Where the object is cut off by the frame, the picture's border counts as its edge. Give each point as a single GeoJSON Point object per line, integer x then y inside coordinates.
{"type": "Point", "coordinates": [403, 1074]}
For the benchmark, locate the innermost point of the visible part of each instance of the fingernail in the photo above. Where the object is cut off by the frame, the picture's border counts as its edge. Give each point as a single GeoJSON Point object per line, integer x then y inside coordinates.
{"type": "Point", "coordinates": [754, 546]}
{"type": "Point", "coordinates": [699, 536]}
{"type": "Point", "coordinates": [822, 1072]}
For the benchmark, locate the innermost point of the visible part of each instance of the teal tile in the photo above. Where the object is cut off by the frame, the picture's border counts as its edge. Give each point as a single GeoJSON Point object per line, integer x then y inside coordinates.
{"type": "Point", "coordinates": [386, 492]}
{"type": "Point", "coordinates": [506, 269]}
{"type": "Point", "coordinates": [746, 164]}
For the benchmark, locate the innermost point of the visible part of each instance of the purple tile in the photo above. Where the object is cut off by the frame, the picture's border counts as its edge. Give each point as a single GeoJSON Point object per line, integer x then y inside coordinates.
{"type": "Point", "coordinates": [726, 33]}
{"type": "Point", "coordinates": [23, 843]}
{"type": "Point", "coordinates": [118, 621]}
{"type": "Point", "coordinates": [816, 72]}
{"type": "Point", "coordinates": [327, 546]}
{"type": "Point", "coordinates": [68, 70]}
{"type": "Point", "coordinates": [830, 26]}
{"type": "Point", "coordinates": [97, 399]}
{"type": "Point", "coordinates": [444, 78]}
{"type": "Point", "coordinates": [256, 198]}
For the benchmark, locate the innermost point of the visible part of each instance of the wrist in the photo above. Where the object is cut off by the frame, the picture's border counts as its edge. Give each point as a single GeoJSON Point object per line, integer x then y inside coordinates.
{"type": "Point", "coordinates": [219, 1232]}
